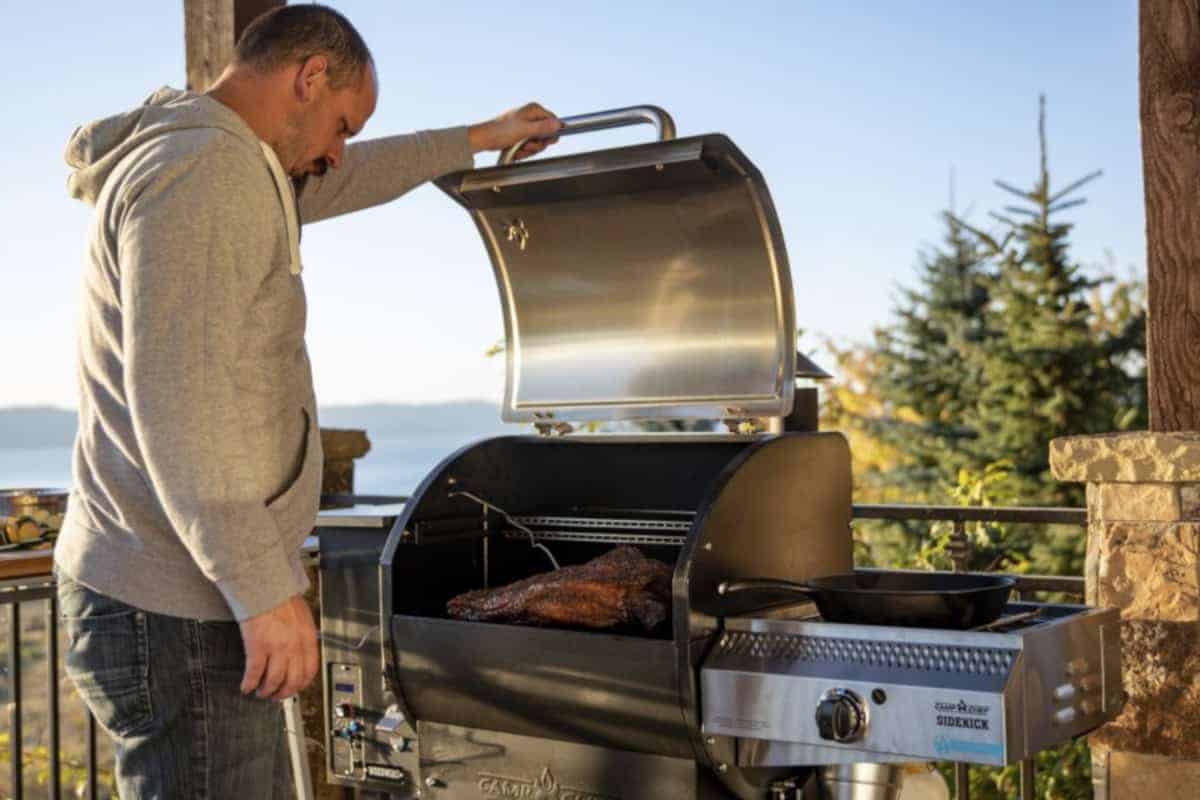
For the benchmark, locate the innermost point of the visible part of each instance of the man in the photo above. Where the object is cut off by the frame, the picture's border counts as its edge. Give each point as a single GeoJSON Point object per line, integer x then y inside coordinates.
{"type": "Point", "coordinates": [198, 459]}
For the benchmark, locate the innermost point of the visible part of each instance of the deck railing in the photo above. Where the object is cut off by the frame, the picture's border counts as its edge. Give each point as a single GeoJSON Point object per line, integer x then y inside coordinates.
{"type": "Point", "coordinates": [18, 595]}
{"type": "Point", "coordinates": [960, 551]}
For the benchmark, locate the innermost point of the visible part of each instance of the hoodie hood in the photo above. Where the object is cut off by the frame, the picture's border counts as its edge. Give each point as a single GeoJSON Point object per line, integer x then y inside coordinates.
{"type": "Point", "coordinates": [95, 149]}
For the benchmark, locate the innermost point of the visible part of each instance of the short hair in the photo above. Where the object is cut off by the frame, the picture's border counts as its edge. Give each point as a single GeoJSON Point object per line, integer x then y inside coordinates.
{"type": "Point", "coordinates": [293, 34]}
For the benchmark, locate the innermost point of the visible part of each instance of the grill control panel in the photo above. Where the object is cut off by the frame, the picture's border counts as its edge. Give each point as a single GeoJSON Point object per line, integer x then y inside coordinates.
{"type": "Point", "coordinates": [367, 746]}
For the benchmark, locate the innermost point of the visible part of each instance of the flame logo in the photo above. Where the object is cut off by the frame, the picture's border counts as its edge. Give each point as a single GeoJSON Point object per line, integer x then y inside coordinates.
{"type": "Point", "coordinates": [545, 787]}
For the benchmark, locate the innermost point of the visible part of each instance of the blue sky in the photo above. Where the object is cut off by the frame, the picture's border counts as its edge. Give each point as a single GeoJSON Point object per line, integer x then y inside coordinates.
{"type": "Point", "coordinates": [855, 112]}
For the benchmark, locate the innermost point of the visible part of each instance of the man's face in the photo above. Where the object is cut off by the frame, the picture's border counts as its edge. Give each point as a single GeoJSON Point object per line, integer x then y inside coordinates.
{"type": "Point", "coordinates": [323, 119]}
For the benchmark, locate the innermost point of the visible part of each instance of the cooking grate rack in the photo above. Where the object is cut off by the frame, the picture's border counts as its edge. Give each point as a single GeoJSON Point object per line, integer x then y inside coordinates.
{"type": "Point", "coordinates": [624, 529]}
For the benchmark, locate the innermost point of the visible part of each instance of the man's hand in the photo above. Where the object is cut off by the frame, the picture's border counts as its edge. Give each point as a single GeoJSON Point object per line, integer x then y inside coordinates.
{"type": "Point", "coordinates": [530, 121]}
{"type": "Point", "coordinates": [281, 650]}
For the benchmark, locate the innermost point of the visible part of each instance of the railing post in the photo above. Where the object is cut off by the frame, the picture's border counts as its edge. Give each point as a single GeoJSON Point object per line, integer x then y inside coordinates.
{"type": "Point", "coordinates": [52, 693]}
{"type": "Point", "coordinates": [92, 788]}
{"type": "Point", "coordinates": [14, 673]}
{"type": "Point", "coordinates": [1028, 770]}
{"type": "Point", "coordinates": [962, 781]}
{"type": "Point", "coordinates": [960, 548]}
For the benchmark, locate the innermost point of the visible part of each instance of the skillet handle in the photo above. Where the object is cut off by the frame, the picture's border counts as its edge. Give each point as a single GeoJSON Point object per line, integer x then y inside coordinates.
{"type": "Point", "coordinates": [760, 584]}
{"type": "Point", "coordinates": [603, 120]}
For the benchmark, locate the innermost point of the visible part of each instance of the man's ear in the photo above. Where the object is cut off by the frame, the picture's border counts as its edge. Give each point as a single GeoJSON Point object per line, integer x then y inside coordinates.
{"type": "Point", "coordinates": [313, 71]}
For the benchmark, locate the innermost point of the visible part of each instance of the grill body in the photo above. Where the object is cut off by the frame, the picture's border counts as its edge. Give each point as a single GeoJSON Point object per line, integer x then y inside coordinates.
{"type": "Point", "coordinates": [710, 505]}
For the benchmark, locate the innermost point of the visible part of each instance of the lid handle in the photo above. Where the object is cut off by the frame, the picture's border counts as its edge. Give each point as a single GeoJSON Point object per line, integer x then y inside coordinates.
{"type": "Point", "coordinates": [603, 120]}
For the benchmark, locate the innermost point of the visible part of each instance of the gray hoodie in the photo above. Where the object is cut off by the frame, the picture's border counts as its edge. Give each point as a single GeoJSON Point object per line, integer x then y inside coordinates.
{"type": "Point", "coordinates": [197, 465]}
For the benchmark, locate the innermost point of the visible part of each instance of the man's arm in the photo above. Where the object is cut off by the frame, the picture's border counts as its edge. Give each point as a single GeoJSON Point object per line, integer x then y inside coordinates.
{"type": "Point", "coordinates": [380, 170]}
{"type": "Point", "coordinates": [190, 258]}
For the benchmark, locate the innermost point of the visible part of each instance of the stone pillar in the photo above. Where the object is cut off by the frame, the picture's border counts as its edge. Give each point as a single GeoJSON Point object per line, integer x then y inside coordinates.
{"type": "Point", "coordinates": [1143, 557]}
{"type": "Point", "coordinates": [341, 446]}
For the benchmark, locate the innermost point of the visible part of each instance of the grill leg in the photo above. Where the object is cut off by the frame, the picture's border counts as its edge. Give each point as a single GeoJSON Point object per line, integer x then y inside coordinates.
{"type": "Point", "coordinates": [962, 782]}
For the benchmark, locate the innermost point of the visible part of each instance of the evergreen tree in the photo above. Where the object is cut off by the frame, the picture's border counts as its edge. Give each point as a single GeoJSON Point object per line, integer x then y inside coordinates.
{"type": "Point", "coordinates": [1053, 364]}
{"type": "Point", "coordinates": [924, 369]}
{"type": "Point", "coordinates": [1004, 344]}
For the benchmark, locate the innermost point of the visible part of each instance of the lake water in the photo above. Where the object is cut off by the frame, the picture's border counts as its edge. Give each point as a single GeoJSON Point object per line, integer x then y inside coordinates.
{"type": "Point", "coordinates": [394, 465]}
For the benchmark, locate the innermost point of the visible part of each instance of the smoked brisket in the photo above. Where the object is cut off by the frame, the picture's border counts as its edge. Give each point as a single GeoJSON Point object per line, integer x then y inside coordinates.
{"type": "Point", "coordinates": [618, 588]}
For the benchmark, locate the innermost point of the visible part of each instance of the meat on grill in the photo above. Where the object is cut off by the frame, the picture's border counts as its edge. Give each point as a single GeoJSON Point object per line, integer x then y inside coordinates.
{"type": "Point", "coordinates": [620, 587]}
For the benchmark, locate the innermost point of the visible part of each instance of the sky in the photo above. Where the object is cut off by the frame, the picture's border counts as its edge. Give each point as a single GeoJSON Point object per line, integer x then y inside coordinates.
{"type": "Point", "coordinates": [856, 113]}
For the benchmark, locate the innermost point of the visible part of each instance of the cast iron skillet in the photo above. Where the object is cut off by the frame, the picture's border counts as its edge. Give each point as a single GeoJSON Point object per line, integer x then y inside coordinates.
{"type": "Point", "coordinates": [910, 599]}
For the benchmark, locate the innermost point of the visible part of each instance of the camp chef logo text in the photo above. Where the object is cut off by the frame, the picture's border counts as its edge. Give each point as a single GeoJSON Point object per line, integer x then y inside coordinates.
{"type": "Point", "coordinates": [962, 715]}
{"type": "Point", "coordinates": [544, 787]}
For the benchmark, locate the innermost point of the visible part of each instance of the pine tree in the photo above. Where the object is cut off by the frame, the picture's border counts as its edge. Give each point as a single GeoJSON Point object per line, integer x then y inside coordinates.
{"type": "Point", "coordinates": [923, 365]}
{"type": "Point", "coordinates": [1053, 362]}
{"type": "Point", "coordinates": [1003, 344]}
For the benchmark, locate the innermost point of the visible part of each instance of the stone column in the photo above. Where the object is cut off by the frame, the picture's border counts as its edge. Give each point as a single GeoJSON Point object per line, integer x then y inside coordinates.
{"type": "Point", "coordinates": [1143, 493]}
{"type": "Point", "coordinates": [341, 446]}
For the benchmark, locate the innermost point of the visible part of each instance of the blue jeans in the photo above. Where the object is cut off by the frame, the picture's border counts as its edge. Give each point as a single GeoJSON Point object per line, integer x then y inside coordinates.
{"type": "Point", "coordinates": [167, 690]}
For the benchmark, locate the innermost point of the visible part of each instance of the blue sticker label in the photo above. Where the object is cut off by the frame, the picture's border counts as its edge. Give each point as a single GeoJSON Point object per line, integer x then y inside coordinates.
{"type": "Point", "coordinates": [946, 746]}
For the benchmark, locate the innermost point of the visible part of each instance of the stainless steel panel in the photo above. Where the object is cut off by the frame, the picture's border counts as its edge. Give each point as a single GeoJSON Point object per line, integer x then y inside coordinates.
{"type": "Point", "coordinates": [460, 763]}
{"type": "Point", "coordinates": [596, 688]}
{"type": "Point", "coordinates": [1073, 673]}
{"type": "Point", "coordinates": [640, 282]}
{"type": "Point", "coordinates": [782, 708]}
{"type": "Point", "coordinates": [973, 696]}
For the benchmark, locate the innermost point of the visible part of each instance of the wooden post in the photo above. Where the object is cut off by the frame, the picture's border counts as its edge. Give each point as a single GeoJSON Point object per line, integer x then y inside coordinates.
{"type": "Point", "coordinates": [210, 29]}
{"type": "Point", "coordinates": [1169, 47]}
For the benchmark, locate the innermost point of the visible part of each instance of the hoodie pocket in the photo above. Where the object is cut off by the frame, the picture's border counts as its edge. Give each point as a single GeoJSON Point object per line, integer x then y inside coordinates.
{"type": "Point", "coordinates": [295, 508]}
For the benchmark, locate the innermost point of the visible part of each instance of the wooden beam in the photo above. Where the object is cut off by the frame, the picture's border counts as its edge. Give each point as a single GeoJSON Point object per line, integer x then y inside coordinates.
{"type": "Point", "coordinates": [210, 30]}
{"type": "Point", "coordinates": [1169, 61]}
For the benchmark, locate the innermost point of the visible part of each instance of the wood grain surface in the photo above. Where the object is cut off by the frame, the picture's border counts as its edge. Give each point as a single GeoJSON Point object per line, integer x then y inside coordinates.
{"type": "Point", "coordinates": [210, 30]}
{"type": "Point", "coordinates": [1169, 60]}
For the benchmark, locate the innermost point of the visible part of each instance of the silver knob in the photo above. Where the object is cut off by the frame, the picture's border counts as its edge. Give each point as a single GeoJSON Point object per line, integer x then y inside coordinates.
{"type": "Point", "coordinates": [840, 716]}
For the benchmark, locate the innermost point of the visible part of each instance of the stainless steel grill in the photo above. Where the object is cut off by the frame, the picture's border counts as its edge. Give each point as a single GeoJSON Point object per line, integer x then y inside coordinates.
{"type": "Point", "coordinates": [646, 282]}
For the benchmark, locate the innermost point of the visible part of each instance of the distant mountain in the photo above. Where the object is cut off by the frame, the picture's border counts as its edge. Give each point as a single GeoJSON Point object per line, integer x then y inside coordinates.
{"type": "Point", "coordinates": [36, 426]}
{"type": "Point", "coordinates": [45, 426]}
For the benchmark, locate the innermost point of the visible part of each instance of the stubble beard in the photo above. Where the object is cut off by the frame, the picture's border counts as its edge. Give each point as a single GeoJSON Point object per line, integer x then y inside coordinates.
{"type": "Point", "coordinates": [292, 144]}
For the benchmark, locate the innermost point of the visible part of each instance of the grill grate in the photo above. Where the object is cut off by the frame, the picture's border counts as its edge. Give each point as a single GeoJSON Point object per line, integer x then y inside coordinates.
{"type": "Point", "coordinates": [603, 530]}
{"type": "Point", "coordinates": [596, 537]}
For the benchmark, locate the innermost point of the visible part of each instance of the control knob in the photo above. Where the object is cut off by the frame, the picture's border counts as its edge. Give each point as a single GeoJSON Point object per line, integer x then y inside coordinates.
{"type": "Point", "coordinates": [840, 716]}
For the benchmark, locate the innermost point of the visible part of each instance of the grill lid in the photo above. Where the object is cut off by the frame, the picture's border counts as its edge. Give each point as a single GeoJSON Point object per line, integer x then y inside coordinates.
{"type": "Point", "coordinates": [639, 282]}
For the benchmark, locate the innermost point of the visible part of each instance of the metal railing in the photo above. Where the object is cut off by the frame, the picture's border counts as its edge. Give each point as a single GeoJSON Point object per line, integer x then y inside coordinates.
{"type": "Point", "coordinates": [17, 594]}
{"type": "Point", "coordinates": [960, 551]}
